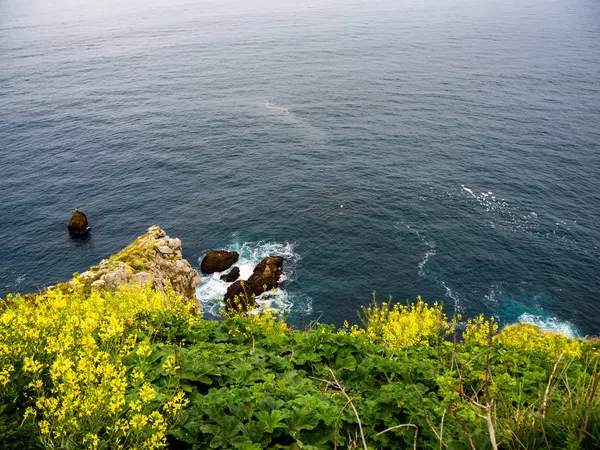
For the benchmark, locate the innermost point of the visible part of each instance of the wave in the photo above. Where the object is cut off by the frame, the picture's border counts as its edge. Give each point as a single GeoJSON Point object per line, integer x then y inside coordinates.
{"type": "Point", "coordinates": [211, 290]}
{"type": "Point", "coordinates": [550, 323]}
{"type": "Point", "coordinates": [468, 190]}
{"type": "Point", "coordinates": [277, 108]}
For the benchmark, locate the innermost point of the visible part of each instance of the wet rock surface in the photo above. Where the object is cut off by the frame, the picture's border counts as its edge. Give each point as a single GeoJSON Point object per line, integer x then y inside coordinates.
{"type": "Point", "coordinates": [218, 261]}
{"type": "Point", "coordinates": [241, 295]}
{"type": "Point", "coordinates": [233, 275]}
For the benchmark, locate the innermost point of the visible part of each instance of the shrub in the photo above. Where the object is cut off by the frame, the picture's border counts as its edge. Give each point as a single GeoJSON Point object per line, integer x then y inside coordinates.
{"type": "Point", "coordinates": [82, 366]}
{"type": "Point", "coordinates": [401, 326]}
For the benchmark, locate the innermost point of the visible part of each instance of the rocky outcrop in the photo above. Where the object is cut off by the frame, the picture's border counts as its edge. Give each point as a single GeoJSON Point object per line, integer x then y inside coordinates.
{"type": "Point", "coordinates": [78, 223]}
{"type": "Point", "coordinates": [241, 295]}
{"type": "Point", "coordinates": [154, 257]}
{"type": "Point", "coordinates": [218, 261]}
{"type": "Point", "coordinates": [233, 275]}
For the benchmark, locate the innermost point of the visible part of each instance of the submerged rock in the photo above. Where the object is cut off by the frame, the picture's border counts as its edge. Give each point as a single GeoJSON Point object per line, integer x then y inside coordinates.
{"type": "Point", "coordinates": [233, 275]}
{"type": "Point", "coordinates": [218, 261]}
{"type": "Point", "coordinates": [78, 223]}
{"type": "Point", "coordinates": [152, 258]}
{"type": "Point", "coordinates": [241, 295]}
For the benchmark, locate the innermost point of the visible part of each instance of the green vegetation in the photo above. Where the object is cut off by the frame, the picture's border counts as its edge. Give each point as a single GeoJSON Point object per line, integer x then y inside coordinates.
{"type": "Point", "coordinates": [84, 368]}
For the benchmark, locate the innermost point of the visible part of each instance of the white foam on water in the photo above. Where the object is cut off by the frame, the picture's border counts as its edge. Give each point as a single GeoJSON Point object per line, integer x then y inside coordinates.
{"type": "Point", "coordinates": [449, 293]}
{"type": "Point", "coordinates": [501, 213]}
{"type": "Point", "coordinates": [278, 299]}
{"type": "Point", "coordinates": [303, 304]}
{"type": "Point", "coordinates": [487, 200]}
{"type": "Point", "coordinates": [277, 108]}
{"type": "Point", "coordinates": [298, 121]}
{"type": "Point", "coordinates": [428, 254]}
{"type": "Point", "coordinates": [550, 323]}
{"type": "Point", "coordinates": [12, 280]}
{"type": "Point", "coordinates": [492, 297]}
{"type": "Point", "coordinates": [468, 190]}
{"type": "Point", "coordinates": [211, 290]}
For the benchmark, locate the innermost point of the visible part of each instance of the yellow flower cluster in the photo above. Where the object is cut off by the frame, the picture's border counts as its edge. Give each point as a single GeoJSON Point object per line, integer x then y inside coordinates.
{"type": "Point", "coordinates": [173, 406]}
{"type": "Point", "coordinates": [479, 330]}
{"type": "Point", "coordinates": [271, 320]}
{"type": "Point", "coordinates": [531, 338]}
{"type": "Point", "coordinates": [401, 326]}
{"type": "Point", "coordinates": [522, 336]}
{"type": "Point", "coordinates": [70, 346]}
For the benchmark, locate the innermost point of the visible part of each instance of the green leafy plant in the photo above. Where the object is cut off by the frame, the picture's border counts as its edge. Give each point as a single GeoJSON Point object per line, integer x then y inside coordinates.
{"type": "Point", "coordinates": [85, 368]}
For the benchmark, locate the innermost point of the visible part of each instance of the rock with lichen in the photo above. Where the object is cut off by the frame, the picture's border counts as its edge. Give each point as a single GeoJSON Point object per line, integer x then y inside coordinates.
{"type": "Point", "coordinates": [152, 258]}
{"type": "Point", "coordinates": [78, 223]}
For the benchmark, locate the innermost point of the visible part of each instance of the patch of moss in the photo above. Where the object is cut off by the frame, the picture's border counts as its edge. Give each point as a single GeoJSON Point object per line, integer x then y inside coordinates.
{"type": "Point", "coordinates": [134, 254]}
{"type": "Point", "coordinates": [139, 265]}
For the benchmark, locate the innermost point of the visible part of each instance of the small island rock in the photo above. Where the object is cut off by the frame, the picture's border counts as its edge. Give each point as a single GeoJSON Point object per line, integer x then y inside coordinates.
{"type": "Point", "coordinates": [78, 223]}
{"type": "Point", "coordinates": [218, 261]}
{"type": "Point", "coordinates": [241, 295]}
{"type": "Point", "coordinates": [233, 275]}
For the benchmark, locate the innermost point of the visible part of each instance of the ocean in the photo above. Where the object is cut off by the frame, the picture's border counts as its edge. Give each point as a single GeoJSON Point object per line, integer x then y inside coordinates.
{"type": "Point", "coordinates": [447, 149]}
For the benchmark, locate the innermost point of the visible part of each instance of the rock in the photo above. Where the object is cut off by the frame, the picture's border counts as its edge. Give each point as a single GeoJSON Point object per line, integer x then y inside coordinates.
{"type": "Point", "coordinates": [218, 261]}
{"type": "Point", "coordinates": [140, 263]}
{"type": "Point", "coordinates": [233, 275]}
{"type": "Point", "coordinates": [78, 223]}
{"type": "Point", "coordinates": [165, 250]}
{"type": "Point", "coordinates": [241, 295]}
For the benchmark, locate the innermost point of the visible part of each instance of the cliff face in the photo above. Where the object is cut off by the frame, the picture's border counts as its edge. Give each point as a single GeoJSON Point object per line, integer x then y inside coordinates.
{"type": "Point", "coordinates": [153, 257]}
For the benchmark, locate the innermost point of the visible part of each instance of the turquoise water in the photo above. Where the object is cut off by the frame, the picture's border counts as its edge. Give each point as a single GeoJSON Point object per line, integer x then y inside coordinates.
{"type": "Point", "coordinates": [448, 149]}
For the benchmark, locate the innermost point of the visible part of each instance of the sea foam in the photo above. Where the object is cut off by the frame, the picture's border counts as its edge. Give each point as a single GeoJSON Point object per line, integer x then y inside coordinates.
{"type": "Point", "coordinates": [550, 323]}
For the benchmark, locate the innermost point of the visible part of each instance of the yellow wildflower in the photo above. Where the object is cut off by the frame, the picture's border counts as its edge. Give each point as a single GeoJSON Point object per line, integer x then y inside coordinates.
{"type": "Point", "coordinates": [137, 375]}
{"type": "Point", "coordinates": [29, 412]}
{"type": "Point", "coordinates": [5, 374]}
{"type": "Point", "coordinates": [176, 403]}
{"type": "Point", "coordinates": [143, 350]}
{"type": "Point", "coordinates": [37, 384]}
{"type": "Point", "coordinates": [146, 393]}
{"type": "Point", "coordinates": [44, 427]}
{"type": "Point", "coordinates": [91, 440]}
{"type": "Point", "coordinates": [138, 421]}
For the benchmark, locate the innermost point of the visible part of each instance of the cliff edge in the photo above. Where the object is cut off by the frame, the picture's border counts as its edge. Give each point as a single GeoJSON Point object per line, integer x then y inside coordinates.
{"type": "Point", "coordinates": [153, 257]}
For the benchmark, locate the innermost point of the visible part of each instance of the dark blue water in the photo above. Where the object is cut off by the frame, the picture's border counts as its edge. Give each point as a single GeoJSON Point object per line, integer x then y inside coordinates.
{"type": "Point", "coordinates": [444, 148]}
